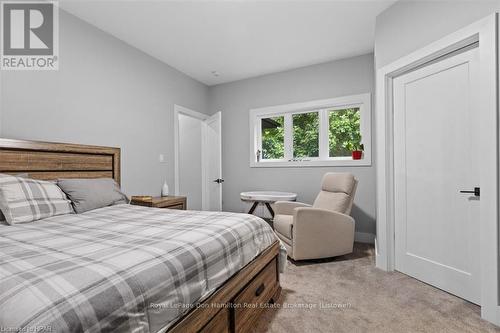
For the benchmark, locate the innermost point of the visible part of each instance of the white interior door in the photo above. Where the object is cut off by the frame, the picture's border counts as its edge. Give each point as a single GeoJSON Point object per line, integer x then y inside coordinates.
{"type": "Point", "coordinates": [212, 159]}
{"type": "Point", "coordinates": [436, 144]}
{"type": "Point", "coordinates": [190, 160]}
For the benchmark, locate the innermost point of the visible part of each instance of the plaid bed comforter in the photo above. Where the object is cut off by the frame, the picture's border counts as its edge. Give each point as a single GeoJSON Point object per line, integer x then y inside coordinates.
{"type": "Point", "coordinates": [122, 268]}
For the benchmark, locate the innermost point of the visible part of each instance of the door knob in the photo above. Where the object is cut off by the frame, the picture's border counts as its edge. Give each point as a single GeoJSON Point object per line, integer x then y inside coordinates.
{"type": "Point", "coordinates": [219, 181]}
{"type": "Point", "coordinates": [476, 191]}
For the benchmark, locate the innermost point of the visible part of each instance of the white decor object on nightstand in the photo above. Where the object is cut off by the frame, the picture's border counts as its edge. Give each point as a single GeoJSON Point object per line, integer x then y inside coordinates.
{"type": "Point", "coordinates": [164, 190]}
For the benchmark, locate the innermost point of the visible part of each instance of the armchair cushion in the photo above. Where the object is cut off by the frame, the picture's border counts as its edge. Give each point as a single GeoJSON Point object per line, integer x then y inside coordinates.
{"type": "Point", "coordinates": [337, 202]}
{"type": "Point", "coordinates": [337, 192]}
{"type": "Point", "coordinates": [283, 224]}
{"type": "Point", "coordinates": [320, 233]}
{"type": "Point", "coordinates": [338, 182]}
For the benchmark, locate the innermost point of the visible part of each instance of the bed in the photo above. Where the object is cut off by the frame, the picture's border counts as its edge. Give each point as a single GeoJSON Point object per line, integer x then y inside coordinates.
{"type": "Point", "coordinates": [129, 268]}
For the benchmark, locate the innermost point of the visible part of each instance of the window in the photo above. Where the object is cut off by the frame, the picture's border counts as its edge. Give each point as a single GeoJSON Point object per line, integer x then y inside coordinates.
{"type": "Point", "coordinates": [344, 133]}
{"type": "Point", "coordinates": [305, 135]}
{"type": "Point", "coordinates": [317, 133]}
{"type": "Point", "coordinates": [273, 138]}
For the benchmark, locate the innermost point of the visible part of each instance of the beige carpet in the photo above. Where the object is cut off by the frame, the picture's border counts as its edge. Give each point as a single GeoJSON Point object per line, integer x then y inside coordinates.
{"type": "Point", "coordinates": [357, 297]}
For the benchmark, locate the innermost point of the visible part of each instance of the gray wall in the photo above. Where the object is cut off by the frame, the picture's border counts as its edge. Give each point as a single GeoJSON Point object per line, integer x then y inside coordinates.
{"type": "Point", "coordinates": [334, 79]}
{"type": "Point", "coordinates": [109, 93]}
{"type": "Point", "coordinates": [411, 24]}
{"type": "Point", "coordinates": [105, 93]}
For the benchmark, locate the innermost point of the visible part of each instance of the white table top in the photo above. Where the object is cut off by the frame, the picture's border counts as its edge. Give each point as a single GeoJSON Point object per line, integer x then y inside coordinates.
{"type": "Point", "coordinates": [268, 196]}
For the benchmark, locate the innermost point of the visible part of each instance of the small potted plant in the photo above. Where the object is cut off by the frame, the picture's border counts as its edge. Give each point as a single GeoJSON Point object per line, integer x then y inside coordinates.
{"type": "Point", "coordinates": [356, 147]}
{"type": "Point", "coordinates": [357, 151]}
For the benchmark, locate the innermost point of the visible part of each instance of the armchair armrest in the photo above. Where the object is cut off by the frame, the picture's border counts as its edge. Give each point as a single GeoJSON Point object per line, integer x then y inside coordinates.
{"type": "Point", "coordinates": [287, 207]}
{"type": "Point", "coordinates": [320, 233]}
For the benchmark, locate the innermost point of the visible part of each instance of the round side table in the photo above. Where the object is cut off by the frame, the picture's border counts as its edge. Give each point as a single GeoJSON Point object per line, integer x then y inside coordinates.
{"type": "Point", "coordinates": [267, 198]}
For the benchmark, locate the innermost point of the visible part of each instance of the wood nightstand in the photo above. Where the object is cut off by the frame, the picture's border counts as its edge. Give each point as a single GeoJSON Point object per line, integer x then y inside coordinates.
{"type": "Point", "coordinates": [171, 202]}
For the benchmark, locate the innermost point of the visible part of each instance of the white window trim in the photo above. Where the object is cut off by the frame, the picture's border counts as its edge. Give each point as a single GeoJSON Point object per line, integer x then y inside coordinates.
{"type": "Point", "coordinates": [363, 101]}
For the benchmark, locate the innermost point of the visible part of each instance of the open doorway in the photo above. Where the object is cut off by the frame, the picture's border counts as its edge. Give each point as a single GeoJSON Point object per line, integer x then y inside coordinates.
{"type": "Point", "coordinates": [198, 173]}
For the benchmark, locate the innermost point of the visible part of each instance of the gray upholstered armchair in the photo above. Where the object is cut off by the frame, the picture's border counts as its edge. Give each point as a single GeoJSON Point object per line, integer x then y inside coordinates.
{"type": "Point", "coordinates": [324, 229]}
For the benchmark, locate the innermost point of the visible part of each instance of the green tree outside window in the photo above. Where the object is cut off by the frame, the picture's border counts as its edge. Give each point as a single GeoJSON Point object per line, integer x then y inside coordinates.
{"type": "Point", "coordinates": [344, 134]}
{"type": "Point", "coordinates": [305, 135]}
{"type": "Point", "coordinates": [273, 138]}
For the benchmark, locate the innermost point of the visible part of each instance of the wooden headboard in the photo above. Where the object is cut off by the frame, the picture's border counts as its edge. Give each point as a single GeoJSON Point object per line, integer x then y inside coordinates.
{"type": "Point", "coordinates": [50, 161]}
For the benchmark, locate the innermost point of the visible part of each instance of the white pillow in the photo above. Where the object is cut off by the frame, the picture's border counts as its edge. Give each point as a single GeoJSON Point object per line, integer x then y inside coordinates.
{"type": "Point", "coordinates": [25, 200]}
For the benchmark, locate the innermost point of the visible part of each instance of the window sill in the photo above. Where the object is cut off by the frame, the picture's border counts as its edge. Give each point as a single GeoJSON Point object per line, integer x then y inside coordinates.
{"type": "Point", "coordinates": [340, 162]}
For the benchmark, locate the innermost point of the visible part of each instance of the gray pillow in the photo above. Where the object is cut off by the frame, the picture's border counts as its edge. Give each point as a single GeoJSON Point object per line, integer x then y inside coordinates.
{"type": "Point", "coordinates": [88, 194]}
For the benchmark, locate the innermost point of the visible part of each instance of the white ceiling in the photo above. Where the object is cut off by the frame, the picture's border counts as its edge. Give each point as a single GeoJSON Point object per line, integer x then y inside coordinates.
{"type": "Point", "coordinates": [238, 39]}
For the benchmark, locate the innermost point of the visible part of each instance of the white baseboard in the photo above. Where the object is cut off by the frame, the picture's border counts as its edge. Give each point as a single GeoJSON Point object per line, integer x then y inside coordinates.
{"type": "Point", "coordinates": [364, 237]}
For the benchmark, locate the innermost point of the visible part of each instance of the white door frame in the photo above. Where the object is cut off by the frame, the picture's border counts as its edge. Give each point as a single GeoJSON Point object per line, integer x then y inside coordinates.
{"type": "Point", "coordinates": [484, 31]}
{"type": "Point", "coordinates": [191, 113]}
